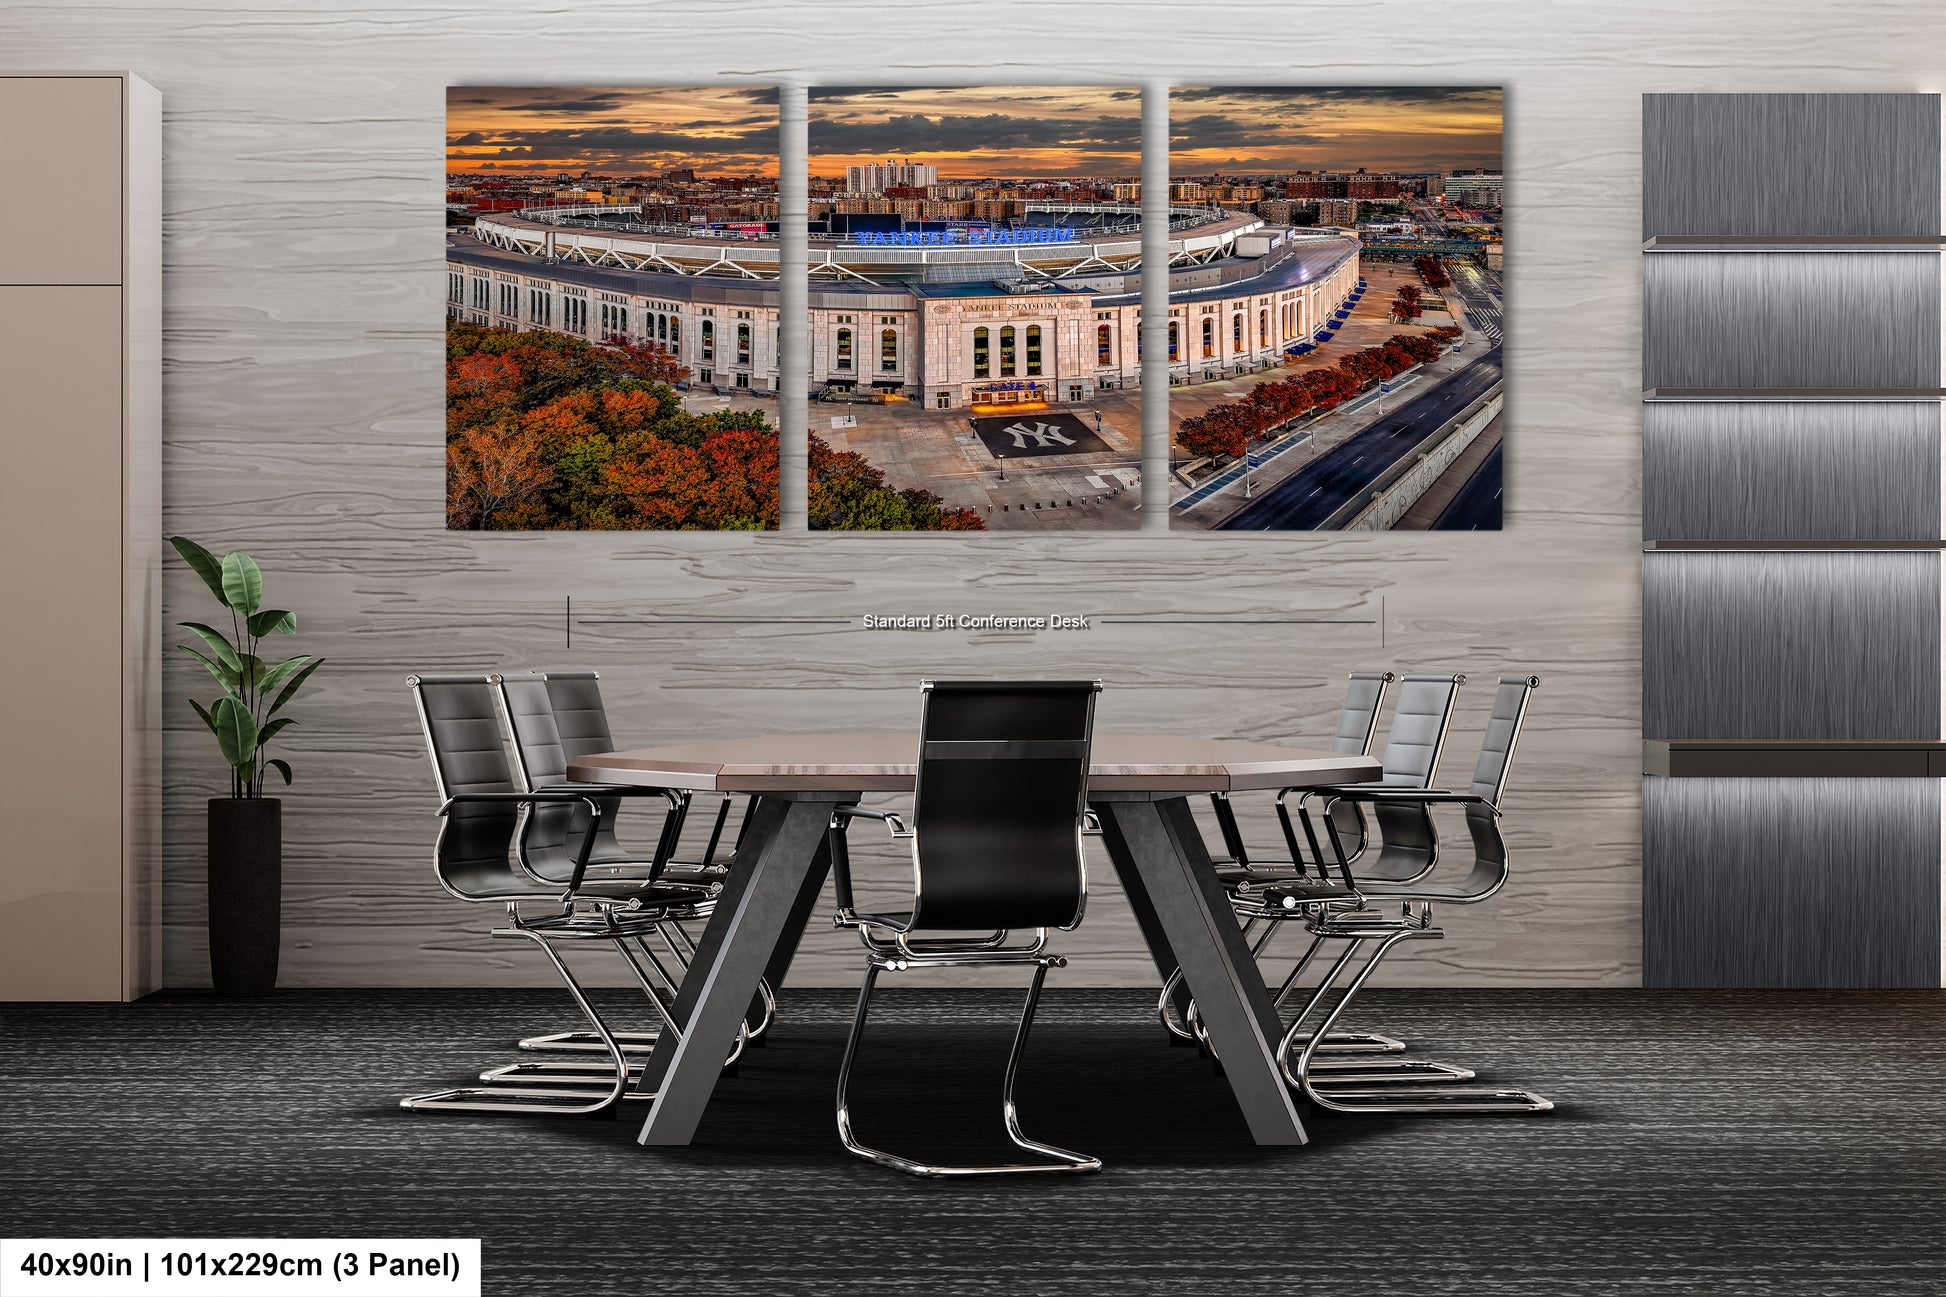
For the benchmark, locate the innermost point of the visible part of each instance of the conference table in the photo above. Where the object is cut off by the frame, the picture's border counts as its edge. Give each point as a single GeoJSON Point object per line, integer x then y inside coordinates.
{"type": "Point", "coordinates": [1138, 784]}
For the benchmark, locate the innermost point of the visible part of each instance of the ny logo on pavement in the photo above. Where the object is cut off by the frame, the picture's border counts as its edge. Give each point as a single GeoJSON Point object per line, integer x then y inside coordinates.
{"type": "Point", "coordinates": [1045, 435]}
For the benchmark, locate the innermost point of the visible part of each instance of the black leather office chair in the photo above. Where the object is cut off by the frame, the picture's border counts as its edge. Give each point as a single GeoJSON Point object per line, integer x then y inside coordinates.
{"type": "Point", "coordinates": [1357, 725]}
{"type": "Point", "coordinates": [999, 809]}
{"type": "Point", "coordinates": [475, 860]}
{"type": "Point", "coordinates": [554, 718]}
{"type": "Point", "coordinates": [1357, 924]}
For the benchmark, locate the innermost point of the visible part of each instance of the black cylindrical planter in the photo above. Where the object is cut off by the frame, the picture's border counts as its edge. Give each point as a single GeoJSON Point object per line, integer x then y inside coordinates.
{"type": "Point", "coordinates": [246, 883]}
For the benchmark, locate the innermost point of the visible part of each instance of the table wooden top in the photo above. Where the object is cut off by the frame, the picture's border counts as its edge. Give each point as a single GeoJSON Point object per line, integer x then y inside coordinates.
{"type": "Point", "coordinates": [1150, 763]}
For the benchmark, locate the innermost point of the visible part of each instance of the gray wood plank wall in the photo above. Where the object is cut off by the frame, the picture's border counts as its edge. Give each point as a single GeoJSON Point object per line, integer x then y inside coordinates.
{"type": "Point", "coordinates": [303, 291]}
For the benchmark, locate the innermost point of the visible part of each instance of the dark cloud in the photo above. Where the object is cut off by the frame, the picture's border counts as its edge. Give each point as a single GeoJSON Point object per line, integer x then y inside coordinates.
{"type": "Point", "coordinates": [471, 137]}
{"type": "Point", "coordinates": [916, 133]}
{"type": "Point", "coordinates": [1219, 131]}
{"type": "Point", "coordinates": [1455, 95]}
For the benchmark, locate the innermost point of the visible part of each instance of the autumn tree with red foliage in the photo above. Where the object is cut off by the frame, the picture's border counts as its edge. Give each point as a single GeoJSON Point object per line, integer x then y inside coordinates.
{"type": "Point", "coordinates": [848, 493]}
{"type": "Point", "coordinates": [545, 432]}
{"type": "Point", "coordinates": [1227, 429]}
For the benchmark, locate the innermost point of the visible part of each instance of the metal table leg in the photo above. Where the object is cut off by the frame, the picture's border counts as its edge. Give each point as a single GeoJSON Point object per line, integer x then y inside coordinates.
{"type": "Point", "coordinates": [1159, 853]}
{"type": "Point", "coordinates": [758, 902]}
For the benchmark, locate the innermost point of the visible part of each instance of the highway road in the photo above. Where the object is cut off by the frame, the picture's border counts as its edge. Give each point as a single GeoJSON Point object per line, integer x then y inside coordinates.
{"type": "Point", "coordinates": [1302, 501]}
{"type": "Point", "coordinates": [1477, 506]}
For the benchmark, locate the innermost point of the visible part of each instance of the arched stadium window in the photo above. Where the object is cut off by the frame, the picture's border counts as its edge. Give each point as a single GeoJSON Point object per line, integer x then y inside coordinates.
{"type": "Point", "coordinates": [1174, 342]}
{"type": "Point", "coordinates": [662, 328]}
{"type": "Point", "coordinates": [709, 339]}
{"type": "Point", "coordinates": [844, 349]}
{"type": "Point", "coordinates": [1104, 345]}
{"type": "Point", "coordinates": [981, 360]}
{"type": "Point", "coordinates": [743, 344]}
{"type": "Point", "coordinates": [1209, 339]}
{"type": "Point", "coordinates": [888, 350]}
{"type": "Point", "coordinates": [1033, 350]}
{"type": "Point", "coordinates": [1006, 351]}
{"type": "Point", "coordinates": [1236, 332]}
{"type": "Point", "coordinates": [1263, 327]}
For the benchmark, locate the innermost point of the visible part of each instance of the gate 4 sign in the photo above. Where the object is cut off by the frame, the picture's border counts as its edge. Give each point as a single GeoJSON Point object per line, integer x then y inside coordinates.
{"type": "Point", "coordinates": [1028, 435]}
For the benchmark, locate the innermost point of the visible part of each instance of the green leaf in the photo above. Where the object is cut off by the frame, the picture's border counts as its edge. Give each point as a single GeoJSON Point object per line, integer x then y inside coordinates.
{"type": "Point", "coordinates": [219, 644]}
{"type": "Point", "coordinates": [205, 564]}
{"type": "Point", "coordinates": [295, 681]}
{"type": "Point", "coordinates": [268, 732]}
{"type": "Point", "coordinates": [252, 672]}
{"type": "Point", "coordinates": [283, 768]}
{"type": "Point", "coordinates": [203, 712]}
{"type": "Point", "coordinates": [243, 583]}
{"type": "Point", "coordinates": [236, 731]}
{"type": "Point", "coordinates": [269, 679]}
{"type": "Point", "coordinates": [224, 676]}
{"type": "Point", "coordinates": [273, 619]}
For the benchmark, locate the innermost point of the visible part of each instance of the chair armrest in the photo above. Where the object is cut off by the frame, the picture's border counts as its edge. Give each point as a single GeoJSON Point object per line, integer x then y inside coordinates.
{"type": "Point", "coordinates": [1421, 796]}
{"type": "Point", "coordinates": [1090, 824]}
{"type": "Point", "coordinates": [670, 795]}
{"type": "Point", "coordinates": [553, 795]}
{"type": "Point", "coordinates": [891, 819]}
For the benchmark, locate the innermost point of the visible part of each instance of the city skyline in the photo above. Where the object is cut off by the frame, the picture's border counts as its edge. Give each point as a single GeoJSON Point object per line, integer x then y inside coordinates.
{"type": "Point", "coordinates": [623, 130]}
{"type": "Point", "coordinates": [977, 132]}
{"type": "Point", "coordinates": [1313, 128]}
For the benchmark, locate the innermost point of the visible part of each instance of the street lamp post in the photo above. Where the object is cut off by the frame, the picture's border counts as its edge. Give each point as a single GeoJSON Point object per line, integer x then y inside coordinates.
{"type": "Point", "coordinates": [1003, 465]}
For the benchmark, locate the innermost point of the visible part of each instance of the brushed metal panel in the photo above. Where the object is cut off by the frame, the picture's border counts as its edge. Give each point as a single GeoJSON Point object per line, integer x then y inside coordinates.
{"type": "Point", "coordinates": [1790, 164]}
{"type": "Point", "coordinates": [1788, 320]}
{"type": "Point", "coordinates": [1791, 882]}
{"type": "Point", "coordinates": [1780, 471]}
{"type": "Point", "coordinates": [1790, 646]}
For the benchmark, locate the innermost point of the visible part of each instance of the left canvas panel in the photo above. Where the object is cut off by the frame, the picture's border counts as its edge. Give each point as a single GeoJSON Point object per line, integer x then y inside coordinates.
{"type": "Point", "coordinates": [611, 308]}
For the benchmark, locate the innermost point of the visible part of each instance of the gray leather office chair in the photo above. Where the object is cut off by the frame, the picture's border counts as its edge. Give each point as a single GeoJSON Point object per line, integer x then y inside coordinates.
{"type": "Point", "coordinates": [1357, 924]}
{"type": "Point", "coordinates": [1414, 743]}
{"type": "Point", "coordinates": [1357, 725]}
{"type": "Point", "coordinates": [998, 813]}
{"type": "Point", "coordinates": [481, 811]}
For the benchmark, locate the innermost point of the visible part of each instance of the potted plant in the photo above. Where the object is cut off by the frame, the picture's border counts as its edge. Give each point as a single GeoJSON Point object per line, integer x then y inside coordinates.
{"type": "Point", "coordinates": [246, 831]}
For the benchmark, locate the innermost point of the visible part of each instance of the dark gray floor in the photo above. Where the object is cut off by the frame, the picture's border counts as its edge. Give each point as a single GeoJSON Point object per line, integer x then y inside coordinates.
{"type": "Point", "coordinates": [1710, 1143]}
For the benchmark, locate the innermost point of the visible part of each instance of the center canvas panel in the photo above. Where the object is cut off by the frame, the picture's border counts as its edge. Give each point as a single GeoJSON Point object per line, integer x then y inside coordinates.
{"type": "Point", "coordinates": [1335, 308]}
{"type": "Point", "coordinates": [611, 304]}
{"type": "Point", "coordinates": [974, 256]}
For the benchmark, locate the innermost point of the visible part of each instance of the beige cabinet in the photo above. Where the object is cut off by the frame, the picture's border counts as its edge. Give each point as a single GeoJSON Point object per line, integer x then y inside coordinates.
{"type": "Point", "coordinates": [80, 537]}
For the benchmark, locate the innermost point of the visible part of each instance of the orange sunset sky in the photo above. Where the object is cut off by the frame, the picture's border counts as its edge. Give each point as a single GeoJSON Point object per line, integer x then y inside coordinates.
{"type": "Point", "coordinates": [1026, 131]}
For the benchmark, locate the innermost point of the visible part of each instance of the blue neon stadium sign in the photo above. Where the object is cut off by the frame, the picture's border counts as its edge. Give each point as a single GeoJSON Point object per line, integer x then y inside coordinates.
{"type": "Point", "coordinates": [943, 238]}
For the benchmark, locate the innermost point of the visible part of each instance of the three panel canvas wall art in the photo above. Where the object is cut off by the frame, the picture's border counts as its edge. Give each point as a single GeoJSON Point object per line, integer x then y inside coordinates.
{"type": "Point", "coordinates": [975, 305]}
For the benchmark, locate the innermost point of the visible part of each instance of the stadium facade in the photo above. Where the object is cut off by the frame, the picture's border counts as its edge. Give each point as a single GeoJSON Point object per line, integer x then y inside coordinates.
{"type": "Point", "coordinates": [1045, 309]}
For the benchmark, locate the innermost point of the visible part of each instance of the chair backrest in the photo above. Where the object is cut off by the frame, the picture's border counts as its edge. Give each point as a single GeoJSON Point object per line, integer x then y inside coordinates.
{"type": "Point", "coordinates": [462, 731]}
{"type": "Point", "coordinates": [1418, 735]}
{"type": "Point", "coordinates": [579, 716]}
{"type": "Point", "coordinates": [1409, 839]}
{"type": "Point", "coordinates": [538, 705]}
{"type": "Point", "coordinates": [1357, 724]}
{"type": "Point", "coordinates": [1502, 735]}
{"type": "Point", "coordinates": [1358, 719]}
{"type": "Point", "coordinates": [998, 805]}
{"type": "Point", "coordinates": [1504, 722]}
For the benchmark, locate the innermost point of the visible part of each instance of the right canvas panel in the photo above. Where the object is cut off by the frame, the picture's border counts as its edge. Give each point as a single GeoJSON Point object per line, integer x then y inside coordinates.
{"type": "Point", "coordinates": [1335, 308]}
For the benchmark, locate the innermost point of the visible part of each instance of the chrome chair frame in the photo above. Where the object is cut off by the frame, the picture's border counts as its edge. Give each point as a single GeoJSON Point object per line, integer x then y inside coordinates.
{"type": "Point", "coordinates": [1357, 925]}
{"type": "Point", "coordinates": [619, 912]}
{"type": "Point", "coordinates": [893, 943]}
{"type": "Point", "coordinates": [535, 732]}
